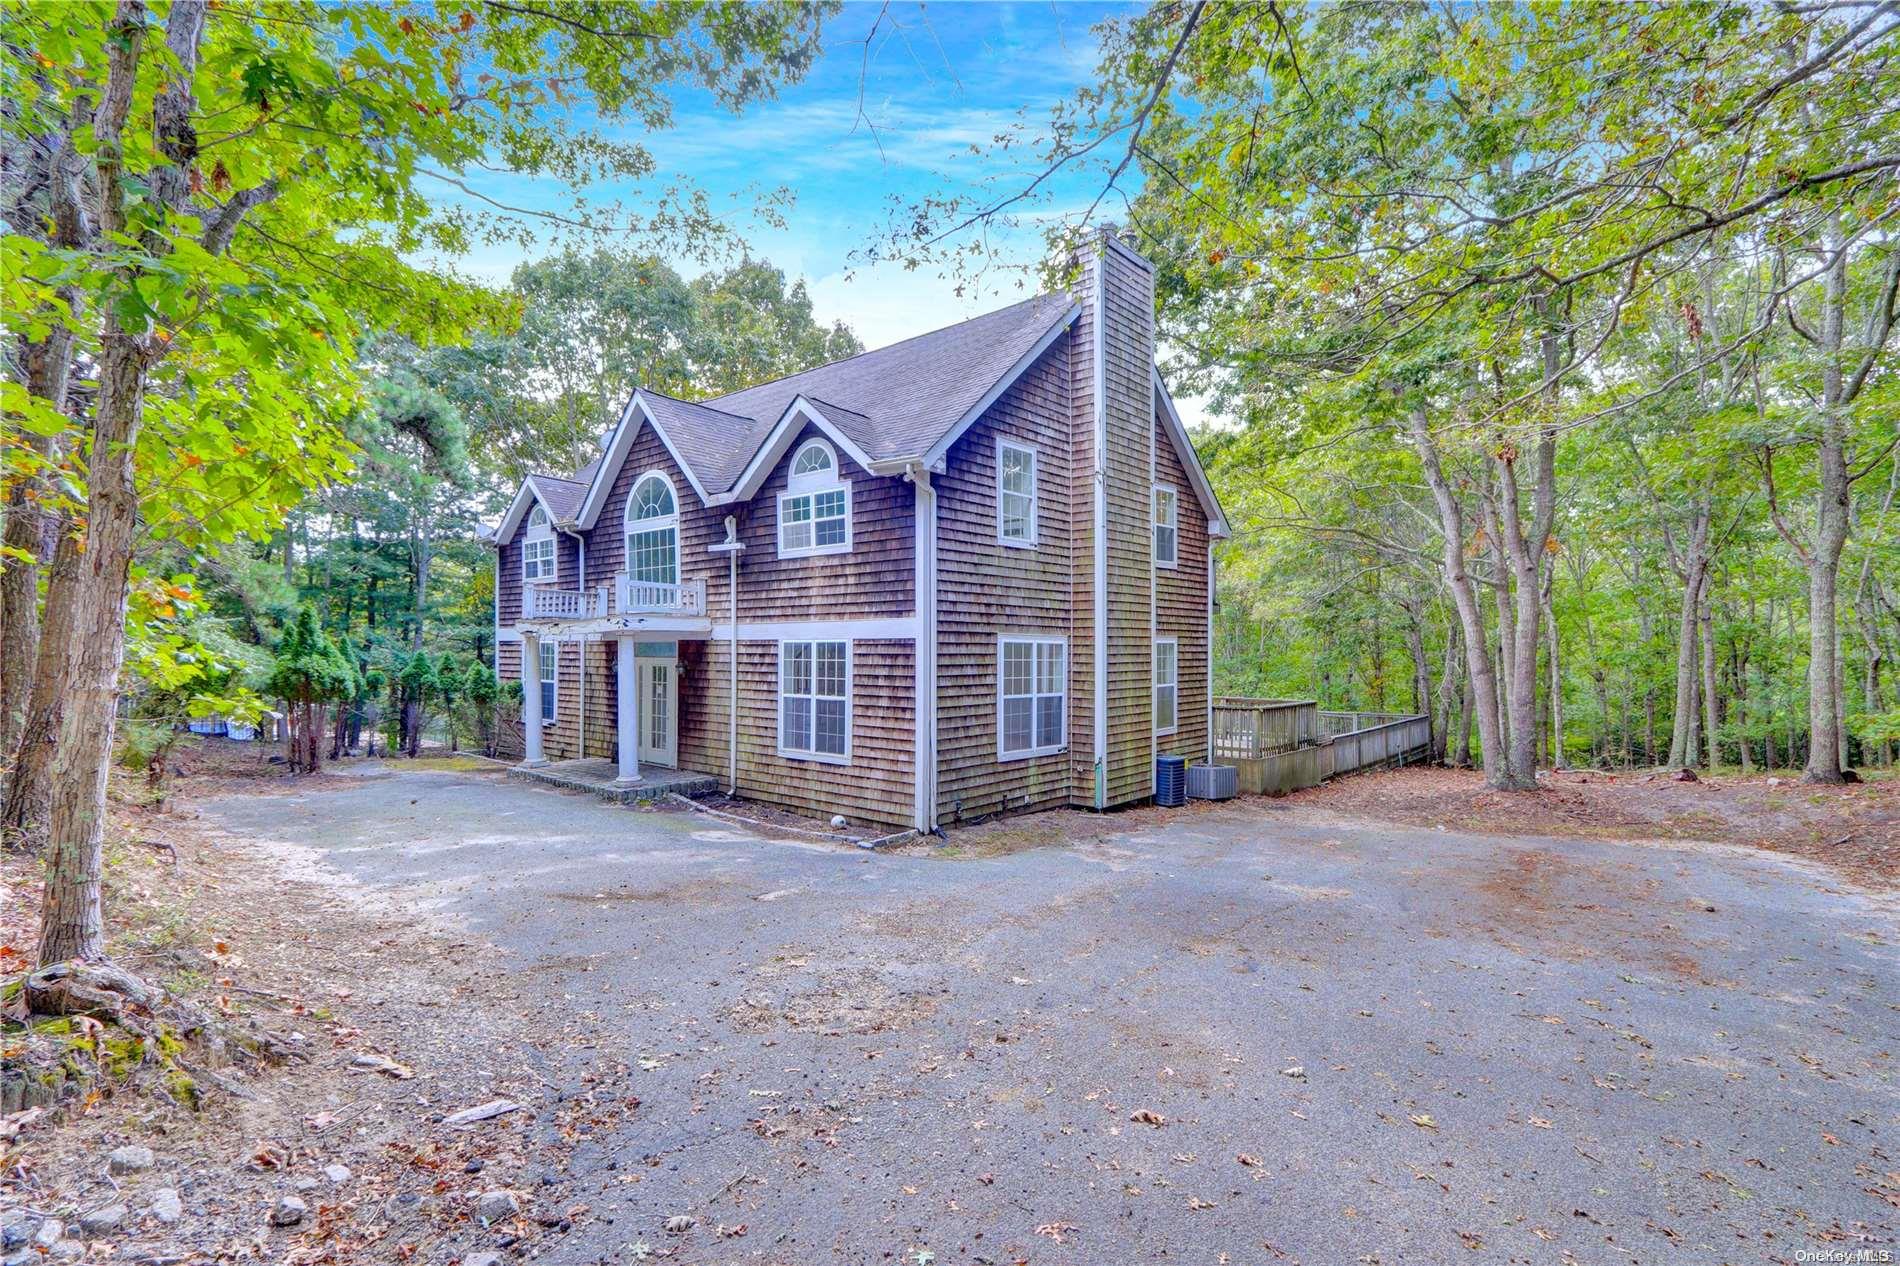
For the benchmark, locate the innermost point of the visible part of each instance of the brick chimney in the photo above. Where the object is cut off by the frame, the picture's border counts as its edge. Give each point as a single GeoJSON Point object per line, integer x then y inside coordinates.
{"type": "Point", "coordinates": [1111, 734]}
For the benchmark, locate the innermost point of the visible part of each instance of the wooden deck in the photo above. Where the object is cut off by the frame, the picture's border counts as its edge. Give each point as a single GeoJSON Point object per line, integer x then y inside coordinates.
{"type": "Point", "coordinates": [596, 777]}
{"type": "Point", "coordinates": [1281, 745]}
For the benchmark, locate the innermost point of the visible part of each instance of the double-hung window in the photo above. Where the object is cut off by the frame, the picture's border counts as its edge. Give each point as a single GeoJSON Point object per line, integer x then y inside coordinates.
{"type": "Point", "coordinates": [1015, 494]}
{"type": "Point", "coordinates": [814, 511]}
{"type": "Point", "coordinates": [1032, 696]}
{"type": "Point", "coordinates": [537, 547]}
{"type": "Point", "coordinates": [814, 701]}
{"type": "Point", "coordinates": [1166, 534]}
{"type": "Point", "coordinates": [1167, 685]}
{"type": "Point", "coordinates": [549, 666]}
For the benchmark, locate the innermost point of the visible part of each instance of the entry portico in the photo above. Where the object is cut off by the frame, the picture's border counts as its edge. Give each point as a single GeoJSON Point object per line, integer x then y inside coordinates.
{"type": "Point", "coordinates": [644, 622]}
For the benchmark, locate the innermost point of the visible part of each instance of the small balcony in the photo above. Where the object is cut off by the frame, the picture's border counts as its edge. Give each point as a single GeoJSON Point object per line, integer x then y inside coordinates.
{"type": "Point", "coordinates": [646, 597]}
{"type": "Point", "coordinates": [624, 596]}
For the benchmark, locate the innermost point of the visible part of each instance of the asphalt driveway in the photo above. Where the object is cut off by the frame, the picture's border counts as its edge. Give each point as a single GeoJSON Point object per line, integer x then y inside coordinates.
{"type": "Point", "coordinates": [1236, 1034]}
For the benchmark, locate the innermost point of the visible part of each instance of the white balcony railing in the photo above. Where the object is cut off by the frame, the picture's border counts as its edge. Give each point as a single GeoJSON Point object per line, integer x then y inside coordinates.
{"type": "Point", "coordinates": [545, 602]}
{"type": "Point", "coordinates": [624, 596]}
{"type": "Point", "coordinates": [646, 597]}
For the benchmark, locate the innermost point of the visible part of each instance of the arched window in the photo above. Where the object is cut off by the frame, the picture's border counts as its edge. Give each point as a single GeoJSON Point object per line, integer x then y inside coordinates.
{"type": "Point", "coordinates": [537, 547]}
{"type": "Point", "coordinates": [815, 462]}
{"type": "Point", "coordinates": [653, 531]}
{"type": "Point", "coordinates": [814, 511]}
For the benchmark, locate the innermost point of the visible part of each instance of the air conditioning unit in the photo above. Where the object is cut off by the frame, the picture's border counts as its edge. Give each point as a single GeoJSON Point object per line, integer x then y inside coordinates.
{"type": "Point", "coordinates": [1213, 782]}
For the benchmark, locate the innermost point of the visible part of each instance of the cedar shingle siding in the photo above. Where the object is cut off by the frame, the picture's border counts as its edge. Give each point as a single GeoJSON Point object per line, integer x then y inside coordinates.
{"type": "Point", "coordinates": [891, 404]}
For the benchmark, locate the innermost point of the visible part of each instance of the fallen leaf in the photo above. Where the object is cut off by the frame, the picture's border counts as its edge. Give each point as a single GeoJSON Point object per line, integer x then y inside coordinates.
{"type": "Point", "coordinates": [1424, 1121]}
{"type": "Point", "coordinates": [1142, 1116]}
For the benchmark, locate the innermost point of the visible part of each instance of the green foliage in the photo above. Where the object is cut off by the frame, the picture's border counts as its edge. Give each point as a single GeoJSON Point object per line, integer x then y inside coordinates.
{"type": "Point", "coordinates": [479, 685]}
{"type": "Point", "coordinates": [308, 668]}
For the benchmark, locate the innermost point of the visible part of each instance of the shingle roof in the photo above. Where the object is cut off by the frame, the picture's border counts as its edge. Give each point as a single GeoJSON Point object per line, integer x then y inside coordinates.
{"type": "Point", "coordinates": [563, 497]}
{"type": "Point", "coordinates": [714, 444]}
{"type": "Point", "coordinates": [892, 402]}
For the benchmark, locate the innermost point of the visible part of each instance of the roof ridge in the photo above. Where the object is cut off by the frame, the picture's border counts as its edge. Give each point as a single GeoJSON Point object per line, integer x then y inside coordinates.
{"type": "Point", "coordinates": [700, 404]}
{"type": "Point", "coordinates": [833, 405]}
{"type": "Point", "coordinates": [873, 351]}
{"type": "Point", "coordinates": [559, 479]}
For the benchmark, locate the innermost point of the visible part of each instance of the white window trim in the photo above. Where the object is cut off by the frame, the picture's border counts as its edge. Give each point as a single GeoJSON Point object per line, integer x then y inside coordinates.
{"type": "Point", "coordinates": [533, 534]}
{"type": "Point", "coordinates": [811, 486]}
{"type": "Point", "coordinates": [550, 700]}
{"type": "Point", "coordinates": [1173, 523]}
{"type": "Point", "coordinates": [1049, 639]}
{"type": "Point", "coordinates": [672, 520]}
{"type": "Point", "coordinates": [1035, 494]}
{"type": "Point", "coordinates": [850, 703]}
{"type": "Point", "coordinates": [1156, 686]}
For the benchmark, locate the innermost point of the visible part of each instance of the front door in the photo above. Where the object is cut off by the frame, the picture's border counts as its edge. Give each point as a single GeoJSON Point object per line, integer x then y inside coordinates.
{"type": "Point", "coordinates": [659, 710]}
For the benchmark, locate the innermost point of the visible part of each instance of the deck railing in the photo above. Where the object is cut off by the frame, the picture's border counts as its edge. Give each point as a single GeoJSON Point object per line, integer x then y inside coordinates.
{"type": "Point", "coordinates": [546, 602]}
{"type": "Point", "coordinates": [1281, 745]}
{"type": "Point", "coordinates": [623, 597]}
{"type": "Point", "coordinates": [646, 597]}
{"type": "Point", "coordinates": [1247, 729]}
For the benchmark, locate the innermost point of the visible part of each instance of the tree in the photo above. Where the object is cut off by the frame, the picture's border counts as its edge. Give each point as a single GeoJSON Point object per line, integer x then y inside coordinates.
{"type": "Point", "coordinates": [308, 675]}
{"type": "Point", "coordinates": [481, 690]}
{"type": "Point", "coordinates": [1428, 214]}
{"type": "Point", "coordinates": [249, 182]}
{"type": "Point", "coordinates": [416, 683]}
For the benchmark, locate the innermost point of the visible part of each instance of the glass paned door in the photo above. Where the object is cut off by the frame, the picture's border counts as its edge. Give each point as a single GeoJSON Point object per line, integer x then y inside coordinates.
{"type": "Point", "coordinates": [659, 710]}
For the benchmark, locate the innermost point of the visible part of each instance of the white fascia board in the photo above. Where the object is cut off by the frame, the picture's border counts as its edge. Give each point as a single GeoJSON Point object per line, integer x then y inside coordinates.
{"type": "Point", "coordinates": [632, 418]}
{"type": "Point", "coordinates": [517, 511]}
{"type": "Point", "coordinates": [938, 451]}
{"type": "Point", "coordinates": [1184, 448]}
{"type": "Point", "coordinates": [779, 439]}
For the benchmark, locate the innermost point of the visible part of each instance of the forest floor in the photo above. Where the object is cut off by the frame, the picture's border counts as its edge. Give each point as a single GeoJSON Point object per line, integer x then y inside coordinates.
{"type": "Point", "coordinates": [348, 975]}
{"type": "Point", "coordinates": [1381, 1021]}
{"type": "Point", "coordinates": [1853, 829]}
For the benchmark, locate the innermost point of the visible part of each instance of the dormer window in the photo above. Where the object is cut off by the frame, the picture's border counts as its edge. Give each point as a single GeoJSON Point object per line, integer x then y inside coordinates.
{"type": "Point", "coordinates": [814, 511]}
{"type": "Point", "coordinates": [653, 531]}
{"type": "Point", "coordinates": [537, 547]}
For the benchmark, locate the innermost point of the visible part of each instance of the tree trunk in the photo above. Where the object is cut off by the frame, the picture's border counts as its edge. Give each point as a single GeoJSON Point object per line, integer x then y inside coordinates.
{"type": "Point", "coordinates": [1694, 569]}
{"type": "Point", "coordinates": [1557, 758]}
{"type": "Point", "coordinates": [72, 924]}
{"type": "Point", "coordinates": [31, 531]}
{"type": "Point", "coordinates": [1477, 658]}
{"type": "Point", "coordinates": [1711, 710]}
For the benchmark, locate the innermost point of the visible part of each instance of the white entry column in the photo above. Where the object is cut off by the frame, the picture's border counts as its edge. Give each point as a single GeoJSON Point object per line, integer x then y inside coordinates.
{"type": "Point", "coordinates": [627, 710]}
{"type": "Point", "coordinates": [531, 698]}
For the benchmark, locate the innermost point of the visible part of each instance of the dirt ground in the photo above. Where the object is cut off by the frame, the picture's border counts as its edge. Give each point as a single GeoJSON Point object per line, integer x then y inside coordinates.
{"type": "Point", "coordinates": [334, 971]}
{"type": "Point", "coordinates": [1853, 829]}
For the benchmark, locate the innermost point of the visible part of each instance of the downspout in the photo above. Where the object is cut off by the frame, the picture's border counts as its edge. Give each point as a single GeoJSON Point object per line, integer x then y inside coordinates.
{"type": "Point", "coordinates": [580, 583]}
{"type": "Point", "coordinates": [1100, 340]}
{"type": "Point", "coordinates": [732, 657]}
{"type": "Point", "coordinates": [1210, 650]}
{"type": "Point", "coordinates": [924, 649]}
{"type": "Point", "coordinates": [731, 547]}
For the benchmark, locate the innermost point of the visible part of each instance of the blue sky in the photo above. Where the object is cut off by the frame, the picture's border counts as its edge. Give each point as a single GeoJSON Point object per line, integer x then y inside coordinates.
{"type": "Point", "coordinates": [941, 78]}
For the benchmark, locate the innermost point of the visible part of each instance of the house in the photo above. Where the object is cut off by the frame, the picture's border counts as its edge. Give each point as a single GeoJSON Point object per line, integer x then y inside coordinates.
{"type": "Point", "coordinates": [963, 574]}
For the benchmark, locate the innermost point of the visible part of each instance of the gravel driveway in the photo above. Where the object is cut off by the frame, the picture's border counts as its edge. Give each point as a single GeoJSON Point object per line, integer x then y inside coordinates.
{"type": "Point", "coordinates": [1227, 1034]}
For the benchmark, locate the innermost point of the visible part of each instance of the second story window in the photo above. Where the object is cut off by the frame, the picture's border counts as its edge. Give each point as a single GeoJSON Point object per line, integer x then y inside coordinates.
{"type": "Point", "coordinates": [814, 511]}
{"type": "Point", "coordinates": [537, 548]}
{"type": "Point", "coordinates": [653, 531]}
{"type": "Point", "coordinates": [1167, 537]}
{"type": "Point", "coordinates": [1015, 494]}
